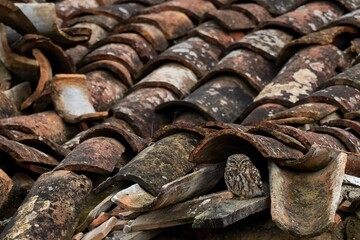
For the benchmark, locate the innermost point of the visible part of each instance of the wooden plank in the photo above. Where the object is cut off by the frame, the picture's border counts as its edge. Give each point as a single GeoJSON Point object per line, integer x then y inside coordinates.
{"type": "Point", "coordinates": [194, 184]}
{"type": "Point", "coordinates": [230, 211]}
{"type": "Point", "coordinates": [178, 214]}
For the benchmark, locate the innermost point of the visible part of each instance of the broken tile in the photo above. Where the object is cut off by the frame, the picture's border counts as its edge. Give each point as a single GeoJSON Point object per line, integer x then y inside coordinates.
{"type": "Point", "coordinates": [6, 185]}
{"type": "Point", "coordinates": [101, 231]}
{"type": "Point", "coordinates": [71, 99]}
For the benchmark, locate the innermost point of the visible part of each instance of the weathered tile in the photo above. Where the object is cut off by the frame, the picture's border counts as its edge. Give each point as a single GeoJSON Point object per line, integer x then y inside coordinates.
{"type": "Point", "coordinates": [212, 33]}
{"type": "Point", "coordinates": [47, 124]}
{"type": "Point", "coordinates": [231, 20]}
{"type": "Point", "coordinates": [255, 12]}
{"type": "Point", "coordinates": [173, 24]}
{"type": "Point", "coordinates": [98, 155]}
{"type": "Point", "coordinates": [221, 99]}
{"type": "Point", "coordinates": [104, 88]}
{"type": "Point", "coordinates": [267, 42]}
{"type": "Point", "coordinates": [304, 203]}
{"type": "Point", "coordinates": [71, 99]}
{"type": "Point", "coordinates": [172, 76]}
{"type": "Point", "coordinates": [280, 7]}
{"type": "Point", "coordinates": [54, 202]}
{"type": "Point", "coordinates": [308, 18]}
{"type": "Point", "coordinates": [250, 66]}
{"type": "Point", "coordinates": [151, 33]}
{"type": "Point", "coordinates": [167, 159]}
{"type": "Point", "coordinates": [138, 109]}
{"type": "Point", "coordinates": [136, 41]}
{"type": "Point", "coordinates": [194, 53]}
{"type": "Point", "coordinates": [121, 53]}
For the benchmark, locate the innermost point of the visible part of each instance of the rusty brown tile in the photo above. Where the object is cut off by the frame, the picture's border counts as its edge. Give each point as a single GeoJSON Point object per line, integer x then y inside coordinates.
{"type": "Point", "coordinates": [280, 7]}
{"type": "Point", "coordinates": [221, 3]}
{"type": "Point", "coordinates": [114, 67]}
{"type": "Point", "coordinates": [147, 2]}
{"type": "Point", "coordinates": [305, 203]}
{"type": "Point", "coordinates": [355, 45]}
{"type": "Point", "coordinates": [194, 9]}
{"type": "Point", "coordinates": [346, 98]}
{"type": "Point", "coordinates": [71, 99]}
{"type": "Point", "coordinates": [77, 53]}
{"type": "Point", "coordinates": [44, 80]}
{"type": "Point", "coordinates": [300, 76]}
{"type": "Point", "coordinates": [95, 155]}
{"type": "Point", "coordinates": [350, 125]}
{"type": "Point", "coordinates": [137, 109]}
{"type": "Point", "coordinates": [59, 59]}
{"type": "Point", "coordinates": [151, 33]}
{"type": "Point", "coordinates": [105, 22]}
{"type": "Point", "coordinates": [166, 159]}
{"type": "Point", "coordinates": [5, 78]}
{"type": "Point", "coordinates": [117, 52]}
{"type": "Point", "coordinates": [221, 99]}
{"type": "Point", "coordinates": [351, 141]}
{"type": "Point", "coordinates": [351, 18]}
{"type": "Point", "coordinates": [26, 157]}
{"type": "Point", "coordinates": [352, 115]}
{"type": "Point", "coordinates": [104, 88]}
{"type": "Point", "coordinates": [172, 76]}
{"type": "Point", "coordinates": [212, 33]}
{"type": "Point", "coordinates": [181, 127]}
{"type": "Point", "coordinates": [351, 5]}
{"type": "Point", "coordinates": [260, 113]}
{"type": "Point", "coordinates": [6, 186]}
{"type": "Point", "coordinates": [173, 24]}
{"type": "Point", "coordinates": [189, 116]}
{"type": "Point", "coordinates": [44, 145]}
{"type": "Point", "coordinates": [19, 66]}
{"type": "Point", "coordinates": [55, 202]}
{"type": "Point", "coordinates": [315, 111]}
{"type": "Point", "coordinates": [97, 32]}
{"type": "Point", "coordinates": [194, 53]}
{"type": "Point", "coordinates": [45, 124]}
{"type": "Point", "coordinates": [136, 41]}
{"type": "Point", "coordinates": [218, 146]}
{"type": "Point", "coordinates": [267, 42]}
{"type": "Point", "coordinates": [65, 8]}
{"type": "Point", "coordinates": [337, 36]}
{"type": "Point", "coordinates": [349, 77]}
{"type": "Point", "coordinates": [254, 11]}
{"type": "Point", "coordinates": [231, 20]}
{"type": "Point", "coordinates": [308, 18]}
{"type": "Point", "coordinates": [250, 66]}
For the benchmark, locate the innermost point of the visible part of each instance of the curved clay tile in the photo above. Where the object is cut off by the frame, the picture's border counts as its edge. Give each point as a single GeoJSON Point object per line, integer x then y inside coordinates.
{"type": "Point", "coordinates": [173, 24]}
{"type": "Point", "coordinates": [221, 99]}
{"type": "Point", "coordinates": [255, 12]}
{"type": "Point", "coordinates": [194, 9]}
{"type": "Point", "coordinates": [351, 18]}
{"type": "Point", "coordinates": [54, 202]}
{"type": "Point", "coordinates": [280, 7]}
{"type": "Point", "coordinates": [194, 53]}
{"type": "Point", "coordinates": [166, 159]}
{"type": "Point", "coordinates": [151, 33]}
{"type": "Point", "coordinates": [104, 88]}
{"type": "Point", "coordinates": [138, 109]}
{"type": "Point", "coordinates": [260, 113]}
{"type": "Point", "coordinates": [346, 98]}
{"type": "Point", "coordinates": [172, 76]}
{"type": "Point", "coordinates": [307, 18]}
{"type": "Point", "coordinates": [230, 20]}
{"type": "Point", "coordinates": [136, 41]}
{"type": "Point", "coordinates": [117, 52]}
{"type": "Point", "coordinates": [212, 33]}
{"type": "Point", "coordinates": [337, 36]}
{"type": "Point", "coordinates": [105, 22]}
{"type": "Point", "coordinates": [95, 155]}
{"type": "Point", "coordinates": [123, 75]}
{"type": "Point", "coordinates": [46, 124]}
{"type": "Point", "coordinates": [350, 77]}
{"type": "Point", "coordinates": [267, 42]}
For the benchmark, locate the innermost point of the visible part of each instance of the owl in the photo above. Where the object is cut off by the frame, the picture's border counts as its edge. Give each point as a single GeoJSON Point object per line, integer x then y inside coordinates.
{"type": "Point", "coordinates": [242, 178]}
